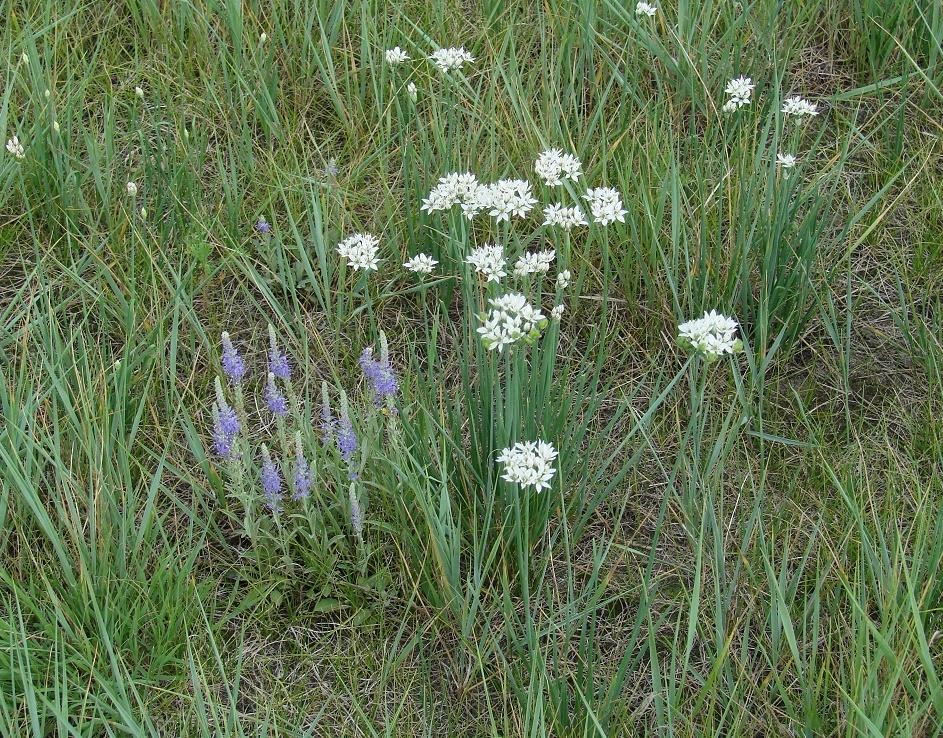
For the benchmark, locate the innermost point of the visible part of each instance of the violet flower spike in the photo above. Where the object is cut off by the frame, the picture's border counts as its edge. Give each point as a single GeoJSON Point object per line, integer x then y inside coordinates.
{"type": "Point", "coordinates": [222, 441]}
{"type": "Point", "coordinates": [228, 419]}
{"type": "Point", "coordinates": [276, 401]}
{"type": "Point", "coordinates": [277, 361]}
{"type": "Point", "coordinates": [380, 375]}
{"type": "Point", "coordinates": [233, 365]}
{"type": "Point", "coordinates": [271, 481]}
{"type": "Point", "coordinates": [346, 438]}
{"type": "Point", "coordinates": [262, 225]}
{"type": "Point", "coordinates": [303, 480]}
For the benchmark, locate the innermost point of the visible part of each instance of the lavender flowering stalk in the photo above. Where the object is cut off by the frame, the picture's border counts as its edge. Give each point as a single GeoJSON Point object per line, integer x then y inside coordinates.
{"type": "Point", "coordinates": [228, 420]}
{"type": "Point", "coordinates": [379, 373]}
{"type": "Point", "coordinates": [303, 477]}
{"type": "Point", "coordinates": [271, 481]}
{"type": "Point", "coordinates": [277, 361]}
{"type": "Point", "coordinates": [235, 369]}
{"type": "Point", "coordinates": [222, 441]}
{"type": "Point", "coordinates": [233, 365]}
{"type": "Point", "coordinates": [346, 438]}
{"type": "Point", "coordinates": [274, 398]}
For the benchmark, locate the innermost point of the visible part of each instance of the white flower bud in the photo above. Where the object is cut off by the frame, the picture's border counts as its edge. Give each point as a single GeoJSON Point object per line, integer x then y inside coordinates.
{"type": "Point", "coordinates": [139, 93]}
{"type": "Point", "coordinates": [55, 126]}
{"type": "Point", "coordinates": [47, 93]}
{"type": "Point", "coordinates": [131, 188]}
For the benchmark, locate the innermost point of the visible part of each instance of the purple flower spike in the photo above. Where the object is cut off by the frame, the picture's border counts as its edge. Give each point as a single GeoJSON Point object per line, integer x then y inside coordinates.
{"type": "Point", "coordinates": [229, 422]}
{"type": "Point", "coordinates": [380, 375]}
{"type": "Point", "coordinates": [277, 361]}
{"type": "Point", "coordinates": [346, 438]}
{"type": "Point", "coordinates": [274, 398]}
{"type": "Point", "coordinates": [303, 480]}
{"type": "Point", "coordinates": [223, 413]}
{"type": "Point", "coordinates": [222, 441]}
{"type": "Point", "coordinates": [262, 225]}
{"type": "Point", "coordinates": [271, 481]}
{"type": "Point", "coordinates": [278, 365]}
{"type": "Point", "coordinates": [232, 362]}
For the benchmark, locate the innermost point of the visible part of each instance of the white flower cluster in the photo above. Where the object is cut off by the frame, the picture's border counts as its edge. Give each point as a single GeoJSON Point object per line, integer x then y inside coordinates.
{"type": "Point", "coordinates": [452, 189]}
{"type": "Point", "coordinates": [420, 264]}
{"type": "Point", "coordinates": [740, 91]}
{"type": "Point", "coordinates": [450, 60]}
{"type": "Point", "coordinates": [16, 148]}
{"type": "Point", "coordinates": [553, 166]}
{"type": "Point", "coordinates": [131, 188]}
{"type": "Point", "coordinates": [534, 263]}
{"type": "Point", "coordinates": [511, 319]}
{"type": "Point", "coordinates": [488, 261]}
{"type": "Point", "coordinates": [563, 279]}
{"type": "Point", "coordinates": [557, 312]}
{"type": "Point", "coordinates": [786, 161]}
{"type": "Point", "coordinates": [396, 56]}
{"type": "Point", "coordinates": [711, 336]}
{"type": "Point", "coordinates": [605, 203]}
{"type": "Point", "coordinates": [529, 464]}
{"type": "Point", "coordinates": [505, 198]}
{"type": "Point", "coordinates": [501, 200]}
{"type": "Point", "coordinates": [566, 218]}
{"type": "Point", "coordinates": [799, 107]}
{"type": "Point", "coordinates": [360, 250]}
{"type": "Point", "coordinates": [644, 8]}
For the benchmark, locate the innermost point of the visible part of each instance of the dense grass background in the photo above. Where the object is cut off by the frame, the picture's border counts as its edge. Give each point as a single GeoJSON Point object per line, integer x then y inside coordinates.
{"type": "Point", "coordinates": [755, 547]}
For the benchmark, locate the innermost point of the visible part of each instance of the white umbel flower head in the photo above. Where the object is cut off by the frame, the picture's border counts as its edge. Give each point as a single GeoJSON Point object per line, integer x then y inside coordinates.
{"type": "Point", "coordinates": [553, 166]}
{"type": "Point", "coordinates": [740, 91]}
{"type": "Point", "coordinates": [131, 188]}
{"type": "Point", "coordinates": [537, 262]}
{"type": "Point", "coordinates": [505, 198]}
{"type": "Point", "coordinates": [511, 319]}
{"type": "Point", "coordinates": [420, 264]}
{"type": "Point", "coordinates": [605, 203]}
{"type": "Point", "coordinates": [412, 91]}
{"type": "Point", "coordinates": [360, 250]}
{"type": "Point", "coordinates": [452, 59]}
{"type": "Point", "coordinates": [563, 279]}
{"type": "Point", "coordinates": [557, 312]}
{"type": "Point", "coordinates": [786, 161]}
{"type": "Point", "coordinates": [566, 218]}
{"type": "Point", "coordinates": [799, 107]}
{"type": "Point", "coordinates": [488, 261]}
{"type": "Point", "coordinates": [711, 336]}
{"type": "Point", "coordinates": [16, 148]}
{"type": "Point", "coordinates": [452, 189]}
{"type": "Point", "coordinates": [529, 464]}
{"type": "Point", "coordinates": [644, 8]}
{"type": "Point", "coordinates": [396, 56]}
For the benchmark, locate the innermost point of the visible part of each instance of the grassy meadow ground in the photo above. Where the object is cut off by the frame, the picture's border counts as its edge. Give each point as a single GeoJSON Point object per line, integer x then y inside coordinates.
{"type": "Point", "coordinates": [751, 546]}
